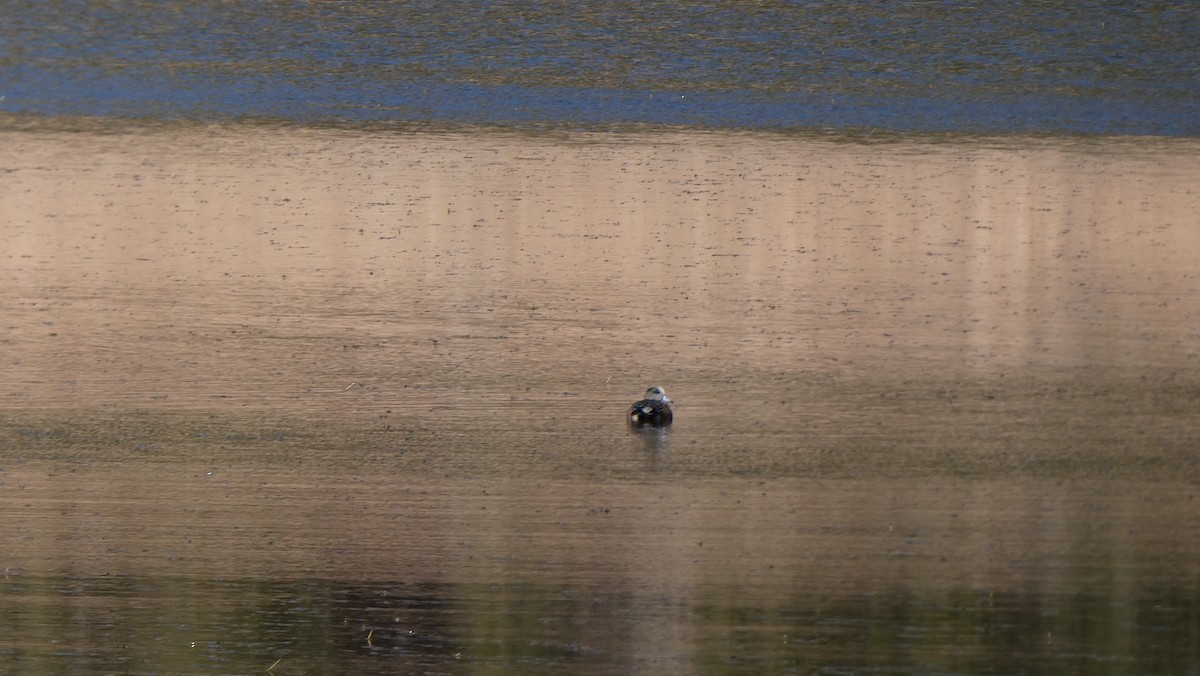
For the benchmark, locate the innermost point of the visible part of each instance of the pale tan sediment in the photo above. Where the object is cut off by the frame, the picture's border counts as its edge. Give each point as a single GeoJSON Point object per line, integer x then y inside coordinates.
{"type": "Point", "coordinates": [197, 266]}
{"type": "Point", "coordinates": [222, 350]}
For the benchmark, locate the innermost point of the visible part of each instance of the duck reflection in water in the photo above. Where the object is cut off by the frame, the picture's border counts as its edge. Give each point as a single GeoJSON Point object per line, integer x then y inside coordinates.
{"type": "Point", "coordinates": [650, 419]}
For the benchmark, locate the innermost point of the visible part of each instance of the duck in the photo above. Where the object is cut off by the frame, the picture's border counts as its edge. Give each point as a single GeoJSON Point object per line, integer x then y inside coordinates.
{"type": "Point", "coordinates": [654, 410]}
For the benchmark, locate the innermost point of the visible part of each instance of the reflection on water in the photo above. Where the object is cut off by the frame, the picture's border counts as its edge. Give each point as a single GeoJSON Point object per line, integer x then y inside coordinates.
{"type": "Point", "coordinates": [1099, 67]}
{"type": "Point", "coordinates": [343, 402]}
{"type": "Point", "coordinates": [171, 566]}
{"type": "Point", "coordinates": [322, 627]}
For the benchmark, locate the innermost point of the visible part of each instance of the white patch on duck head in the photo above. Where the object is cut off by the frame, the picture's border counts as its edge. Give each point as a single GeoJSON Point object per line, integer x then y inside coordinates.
{"type": "Point", "coordinates": [657, 393]}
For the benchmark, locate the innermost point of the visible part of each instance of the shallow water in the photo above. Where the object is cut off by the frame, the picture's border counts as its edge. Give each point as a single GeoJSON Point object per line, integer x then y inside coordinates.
{"type": "Point", "coordinates": [353, 402]}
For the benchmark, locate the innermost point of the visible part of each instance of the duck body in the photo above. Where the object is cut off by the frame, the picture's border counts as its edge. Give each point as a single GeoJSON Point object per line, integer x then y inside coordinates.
{"type": "Point", "coordinates": [654, 410]}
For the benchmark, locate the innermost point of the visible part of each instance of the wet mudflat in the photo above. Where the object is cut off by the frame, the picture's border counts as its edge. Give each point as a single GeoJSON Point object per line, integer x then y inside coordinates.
{"type": "Point", "coordinates": [352, 401]}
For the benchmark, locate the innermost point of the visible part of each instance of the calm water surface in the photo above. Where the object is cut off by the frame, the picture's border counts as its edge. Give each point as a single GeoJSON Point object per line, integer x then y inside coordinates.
{"type": "Point", "coordinates": [1130, 67]}
{"type": "Point", "coordinates": [346, 402]}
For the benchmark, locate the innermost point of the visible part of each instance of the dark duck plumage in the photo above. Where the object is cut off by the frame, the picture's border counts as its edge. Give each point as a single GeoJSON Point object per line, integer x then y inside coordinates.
{"type": "Point", "coordinates": [655, 409]}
